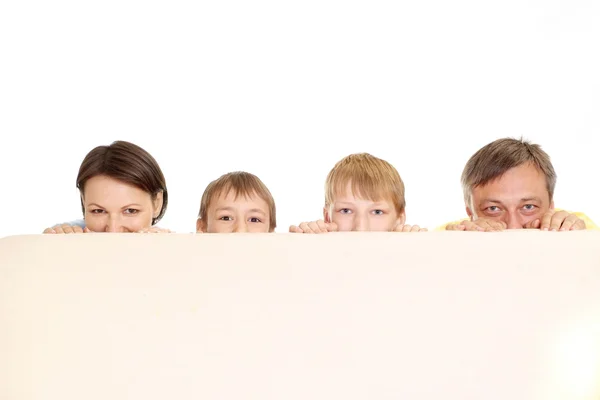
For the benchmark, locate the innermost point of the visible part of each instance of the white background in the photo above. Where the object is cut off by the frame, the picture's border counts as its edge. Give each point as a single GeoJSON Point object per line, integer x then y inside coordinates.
{"type": "Point", "coordinates": [285, 89]}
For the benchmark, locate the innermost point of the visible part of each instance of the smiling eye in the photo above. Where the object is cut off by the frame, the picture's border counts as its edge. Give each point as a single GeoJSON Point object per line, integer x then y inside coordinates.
{"type": "Point", "coordinates": [530, 207]}
{"type": "Point", "coordinates": [226, 218]}
{"type": "Point", "coordinates": [493, 208]}
{"type": "Point", "coordinates": [255, 219]}
{"type": "Point", "coordinates": [131, 211]}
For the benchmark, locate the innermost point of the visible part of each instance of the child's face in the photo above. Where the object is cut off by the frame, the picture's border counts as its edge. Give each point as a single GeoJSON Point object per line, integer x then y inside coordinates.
{"type": "Point", "coordinates": [226, 214]}
{"type": "Point", "coordinates": [351, 213]}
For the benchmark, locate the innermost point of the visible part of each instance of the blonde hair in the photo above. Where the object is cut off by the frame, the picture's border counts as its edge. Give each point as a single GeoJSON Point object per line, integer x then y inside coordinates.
{"type": "Point", "coordinates": [243, 184]}
{"type": "Point", "coordinates": [496, 158]}
{"type": "Point", "coordinates": [370, 178]}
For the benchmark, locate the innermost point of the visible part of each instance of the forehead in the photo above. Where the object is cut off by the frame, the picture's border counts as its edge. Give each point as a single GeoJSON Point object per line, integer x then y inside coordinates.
{"type": "Point", "coordinates": [347, 195]}
{"type": "Point", "coordinates": [105, 189]}
{"type": "Point", "coordinates": [239, 201]}
{"type": "Point", "coordinates": [516, 183]}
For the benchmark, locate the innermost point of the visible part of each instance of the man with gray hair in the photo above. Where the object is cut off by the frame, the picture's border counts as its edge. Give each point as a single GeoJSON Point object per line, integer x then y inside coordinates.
{"type": "Point", "coordinates": [509, 184]}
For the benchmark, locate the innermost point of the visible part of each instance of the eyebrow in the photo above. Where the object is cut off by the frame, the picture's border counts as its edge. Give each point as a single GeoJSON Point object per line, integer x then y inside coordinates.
{"type": "Point", "coordinates": [131, 205]}
{"type": "Point", "coordinates": [524, 199]}
{"type": "Point", "coordinates": [531, 199]}
{"type": "Point", "coordinates": [258, 210]}
{"type": "Point", "coordinates": [375, 203]}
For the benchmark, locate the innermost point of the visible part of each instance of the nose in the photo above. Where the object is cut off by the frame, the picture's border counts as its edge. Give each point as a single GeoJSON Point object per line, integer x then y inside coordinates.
{"type": "Point", "coordinates": [513, 221]}
{"type": "Point", "coordinates": [361, 223]}
{"type": "Point", "coordinates": [113, 225]}
{"type": "Point", "coordinates": [240, 227]}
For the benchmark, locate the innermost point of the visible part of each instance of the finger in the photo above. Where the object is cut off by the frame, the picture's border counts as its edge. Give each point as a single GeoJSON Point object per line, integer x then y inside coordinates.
{"type": "Point", "coordinates": [415, 228]}
{"type": "Point", "coordinates": [569, 222]}
{"type": "Point", "coordinates": [295, 229]}
{"type": "Point", "coordinates": [68, 229]}
{"type": "Point", "coordinates": [499, 225]}
{"type": "Point", "coordinates": [315, 227]}
{"type": "Point", "coordinates": [489, 226]}
{"type": "Point", "coordinates": [398, 228]}
{"type": "Point", "coordinates": [455, 227]}
{"type": "Point", "coordinates": [471, 226]}
{"type": "Point", "coordinates": [407, 228]}
{"type": "Point", "coordinates": [49, 230]}
{"type": "Point", "coordinates": [533, 224]}
{"type": "Point", "coordinates": [423, 230]}
{"type": "Point", "coordinates": [579, 225]}
{"type": "Point", "coordinates": [332, 227]}
{"type": "Point", "coordinates": [86, 230]}
{"type": "Point", "coordinates": [58, 229]}
{"type": "Point", "coordinates": [322, 225]}
{"type": "Point", "coordinates": [306, 227]}
{"type": "Point", "coordinates": [557, 220]}
{"type": "Point", "coordinates": [546, 220]}
{"type": "Point", "coordinates": [77, 229]}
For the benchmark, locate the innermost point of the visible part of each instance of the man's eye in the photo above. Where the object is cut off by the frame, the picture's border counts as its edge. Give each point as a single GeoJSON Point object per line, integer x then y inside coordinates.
{"type": "Point", "coordinates": [529, 207]}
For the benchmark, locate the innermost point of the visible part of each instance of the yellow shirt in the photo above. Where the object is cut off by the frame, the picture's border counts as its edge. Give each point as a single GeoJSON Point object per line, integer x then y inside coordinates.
{"type": "Point", "coordinates": [589, 224]}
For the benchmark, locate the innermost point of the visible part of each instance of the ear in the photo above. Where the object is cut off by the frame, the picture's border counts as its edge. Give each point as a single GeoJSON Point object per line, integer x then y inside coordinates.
{"type": "Point", "coordinates": [470, 213]}
{"type": "Point", "coordinates": [200, 225]}
{"type": "Point", "coordinates": [326, 215]}
{"type": "Point", "coordinates": [158, 202]}
{"type": "Point", "coordinates": [401, 218]}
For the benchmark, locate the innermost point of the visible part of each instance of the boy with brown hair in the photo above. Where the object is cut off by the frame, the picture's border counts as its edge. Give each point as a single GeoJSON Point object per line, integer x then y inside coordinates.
{"type": "Point", "coordinates": [237, 202]}
{"type": "Point", "coordinates": [362, 193]}
{"type": "Point", "coordinates": [509, 184]}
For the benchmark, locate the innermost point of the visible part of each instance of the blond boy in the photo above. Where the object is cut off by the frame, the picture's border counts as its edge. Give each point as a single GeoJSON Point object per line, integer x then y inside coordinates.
{"type": "Point", "coordinates": [509, 184]}
{"type": "Point", "coordinates": [237, 202]}
{"type": "Point", "coordinates": [362, 193]}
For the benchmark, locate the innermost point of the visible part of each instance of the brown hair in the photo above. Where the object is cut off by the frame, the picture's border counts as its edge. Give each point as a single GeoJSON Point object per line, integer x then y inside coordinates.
{"type": "Point", "coordinates": [128, 163]}
{"type": "Point", "coordinates": [495, 159]}
{"type": "Point", "coordinates": [370, 177]}
{"type": "Point", "coordinates": [242, 183]}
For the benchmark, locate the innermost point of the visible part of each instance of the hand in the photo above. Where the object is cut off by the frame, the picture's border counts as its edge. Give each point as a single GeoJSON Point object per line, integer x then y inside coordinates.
{"type": "Point", "coordinates": [66, 229]}
{"type": "Point", "coordinates": [558, 221]}
{"type": "Point", "coordinates": [319, 226]}
{"type": "Point", "coordinates": [154, 229]}
{"type": "Point", "coordinates": [478, 225]}
{"type": "Point", "coordinates": [408, 228]}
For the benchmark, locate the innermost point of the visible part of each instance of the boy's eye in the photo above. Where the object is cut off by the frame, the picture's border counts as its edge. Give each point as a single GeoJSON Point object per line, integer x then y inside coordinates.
{"type": "Point", "coordinates": [255, 219]}
{"type": "Point", "coordinates": [345, 211]}
{"type": "Point", "coordinates": [378, 212]}
{"type": "Point", "coordinates": [225, 218]}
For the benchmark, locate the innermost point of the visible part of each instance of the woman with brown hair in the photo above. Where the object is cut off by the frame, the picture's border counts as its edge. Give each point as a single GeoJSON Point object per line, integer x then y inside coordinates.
{"type": "Point", "coordinates": [122, 190]}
